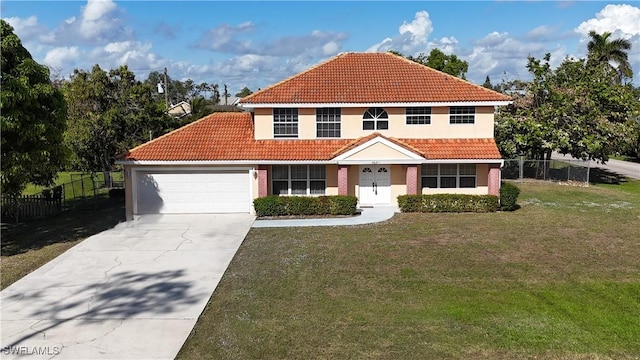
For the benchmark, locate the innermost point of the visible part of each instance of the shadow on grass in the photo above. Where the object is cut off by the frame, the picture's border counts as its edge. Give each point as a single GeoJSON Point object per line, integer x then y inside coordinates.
{"type": "Point", "coordinates": [601, 176]}
{"type": "Point", "coordinates": [65, 227]}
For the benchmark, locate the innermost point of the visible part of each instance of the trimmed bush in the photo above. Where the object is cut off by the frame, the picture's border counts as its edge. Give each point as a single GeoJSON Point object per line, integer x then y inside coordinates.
{"type": "Point", "coordinates": [305, 205]}
{"type": "Point", "coordinates": [448, 203]}
{"type": "Point", "coordinates": [508, 196]}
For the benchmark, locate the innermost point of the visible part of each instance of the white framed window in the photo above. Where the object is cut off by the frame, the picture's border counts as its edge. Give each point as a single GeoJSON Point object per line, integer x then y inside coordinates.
{"type": "Point", "coordinates": [328, 122]}
{"type": "Point", "coordinates": [462, 115]}
{"type": "Point", "coordinates": [448, 176]}
{"type": "Point", "coordinates": [298, 180]}
{"type": "Point", "coordinates": [418, 115]}
{"type": "Point", "coordinates": [285, 123]}
{"type": "Point", "coordinates": [375, 119]}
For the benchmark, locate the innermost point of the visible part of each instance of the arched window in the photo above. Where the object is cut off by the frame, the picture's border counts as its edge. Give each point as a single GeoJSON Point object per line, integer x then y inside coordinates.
{"type": "Point", "coordinates": [375, 119]}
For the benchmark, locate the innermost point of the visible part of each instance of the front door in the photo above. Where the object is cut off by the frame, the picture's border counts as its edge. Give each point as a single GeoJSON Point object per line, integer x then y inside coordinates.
{"type": "Point", "coordinates": [375, 185]}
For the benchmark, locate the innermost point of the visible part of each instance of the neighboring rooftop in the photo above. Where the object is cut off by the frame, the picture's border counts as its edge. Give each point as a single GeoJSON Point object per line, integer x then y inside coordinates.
{"type": "Point", "coordinates": [372, 78]}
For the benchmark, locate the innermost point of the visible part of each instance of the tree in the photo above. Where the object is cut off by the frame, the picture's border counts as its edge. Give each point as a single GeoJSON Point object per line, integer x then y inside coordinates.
{"type": "Point", "coordinates": [438, 60]}
{"type": "Point", "coordinates": [108, 114]}
{"type": "Point", "coordinates": [602, 50]}
{"type": "Point", "coordinates": [574, 109]}
{"type": "Point", "coordinates": [487, 83]}
{"type": "Point", "coordinates": [33, 115]}
{"type": "Point", "coordinates": [244, 92]}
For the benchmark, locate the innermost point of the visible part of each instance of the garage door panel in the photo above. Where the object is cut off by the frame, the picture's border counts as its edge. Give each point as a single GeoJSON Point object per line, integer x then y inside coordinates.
{"type": "Point", "coordinates": [193, 192]}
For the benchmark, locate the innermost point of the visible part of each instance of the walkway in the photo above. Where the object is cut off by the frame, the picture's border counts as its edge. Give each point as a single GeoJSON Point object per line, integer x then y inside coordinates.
{"type": "Point", "coordinates": [368, 216]}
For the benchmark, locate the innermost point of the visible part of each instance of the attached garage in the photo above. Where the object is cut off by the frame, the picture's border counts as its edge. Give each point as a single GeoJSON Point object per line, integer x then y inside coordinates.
{"type": "Point", "coordinates": [191, 191]}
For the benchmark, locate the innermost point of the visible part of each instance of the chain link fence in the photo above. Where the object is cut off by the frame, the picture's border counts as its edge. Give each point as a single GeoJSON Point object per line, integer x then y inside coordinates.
{"type": "Point", "coordinates": [553, 170]}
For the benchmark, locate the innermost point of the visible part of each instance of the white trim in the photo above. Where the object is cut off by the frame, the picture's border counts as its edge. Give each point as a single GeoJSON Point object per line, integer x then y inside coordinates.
{"type": "Point", "coordinates": [168, 169]}
{"type": "Point", "coordinates": [379, 140]}
{"type": "Point", "coordinates": [219, 162]}
{"type": "Point", "coordinates": [465, 161]}
{"type": "Point", "coordinates": [368, 105]}
{"type": "Point", "coordinates": [381, 162]}
{"type": "Point", "coordinates": [191, 163]}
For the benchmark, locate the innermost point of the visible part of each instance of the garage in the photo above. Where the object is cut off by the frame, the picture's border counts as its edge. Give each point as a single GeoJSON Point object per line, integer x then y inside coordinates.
{"type": "Point", "coordinates": [192, 191]}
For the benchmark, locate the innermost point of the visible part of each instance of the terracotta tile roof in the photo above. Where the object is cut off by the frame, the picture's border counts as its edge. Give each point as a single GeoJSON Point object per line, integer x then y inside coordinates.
{"type": "Point", "coordinates": [229, 137]}
{"type": "Point", "coordinates": [371, 78]}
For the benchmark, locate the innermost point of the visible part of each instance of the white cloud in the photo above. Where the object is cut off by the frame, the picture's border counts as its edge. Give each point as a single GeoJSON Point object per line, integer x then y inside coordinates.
{"type": "Point", "coordinates": [330, 48]}
{"type": "Point", "coordinates": [27, 29]}
{"type": "Point", "coordinates": [620, 20]}
{"type": "Point", "coordinates": [412, 39]}
{"type": "Point", "coordinates": [61, 57]}
{"type": "Point", "coordinates": [134, 54]}
{"type": "Point", "coordinates": [96, 18]}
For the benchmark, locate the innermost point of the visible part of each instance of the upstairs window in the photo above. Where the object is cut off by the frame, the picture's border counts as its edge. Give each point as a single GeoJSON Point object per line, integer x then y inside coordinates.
{"type": "Point", "coordinates": [462, 115]}
{"type": "Point", "coordinates": [418, 115]}
{"type": "Point", "coordinates": [285, 123]}
{"type": "Point", "coordinates": [375, 119]}
{"type": "Point", "coordinates": [328, 122]}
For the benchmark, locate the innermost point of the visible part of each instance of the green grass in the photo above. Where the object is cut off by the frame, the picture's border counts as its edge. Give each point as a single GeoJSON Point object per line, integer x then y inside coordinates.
{"type": "Point", "coordinates": [27, 246]}
{"type": "Point", "coordinates": [66, 178]}
{"type": "Point", "coordinates": [557, 279]}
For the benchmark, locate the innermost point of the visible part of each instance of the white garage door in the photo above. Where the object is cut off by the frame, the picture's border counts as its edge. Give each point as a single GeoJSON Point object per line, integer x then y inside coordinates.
{"type": "Point", "coordinates": [192, 192]}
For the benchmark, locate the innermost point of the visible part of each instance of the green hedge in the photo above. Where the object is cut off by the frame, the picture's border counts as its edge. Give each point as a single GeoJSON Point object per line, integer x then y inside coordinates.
{"type": "Point", "coordinates": [508, 196]}
{"type": "Point", "coordinates": [448, 203]}
{"type": "Point", "coordinates": [305, 205]}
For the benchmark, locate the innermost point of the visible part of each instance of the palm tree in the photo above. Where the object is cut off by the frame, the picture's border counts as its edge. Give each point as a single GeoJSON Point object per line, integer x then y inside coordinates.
{"type": "Point", "coordinates": [603, 50]}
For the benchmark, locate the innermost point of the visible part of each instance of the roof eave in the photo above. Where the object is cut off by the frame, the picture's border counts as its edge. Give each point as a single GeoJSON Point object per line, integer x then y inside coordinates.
{"type": "Point", "coordinates": [380, 104]}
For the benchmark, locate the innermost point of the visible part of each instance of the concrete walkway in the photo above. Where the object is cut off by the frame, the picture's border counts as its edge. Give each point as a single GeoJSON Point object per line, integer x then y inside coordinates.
{"type": "Point", "coordinates": [368, 216]}
{"type": "Point", "coordinates": [132, 292]}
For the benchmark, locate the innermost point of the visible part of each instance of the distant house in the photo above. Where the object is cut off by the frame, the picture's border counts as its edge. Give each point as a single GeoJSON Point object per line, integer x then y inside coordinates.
{"type": "Point", "coordinates": [372, 125]}
{"type": "Point", "coordinates": [180, 109]}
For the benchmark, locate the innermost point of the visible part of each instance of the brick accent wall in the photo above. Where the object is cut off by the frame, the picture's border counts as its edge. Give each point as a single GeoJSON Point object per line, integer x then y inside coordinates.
{"type": "Point", "coordinates": [412, 180]}
{"type": "Point", "coordinates": [263, 184]}
{"type": "Point", "coordinates": [343, 179]}
{"type": "Point", "coordinates": [494, 179]}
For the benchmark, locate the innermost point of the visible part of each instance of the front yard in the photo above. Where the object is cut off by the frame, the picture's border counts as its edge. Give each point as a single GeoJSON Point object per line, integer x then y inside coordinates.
{"type": "Point", "coordinates": [559, 278]}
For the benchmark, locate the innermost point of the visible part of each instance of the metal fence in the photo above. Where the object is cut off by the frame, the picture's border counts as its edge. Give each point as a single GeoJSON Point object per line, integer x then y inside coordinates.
{"type": "Point", "coordinates": [85, 190]}
{"type": "Point", "coordinates": [553, 170]}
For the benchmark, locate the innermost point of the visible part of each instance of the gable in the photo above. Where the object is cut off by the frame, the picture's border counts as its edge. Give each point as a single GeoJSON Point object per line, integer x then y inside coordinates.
{"type": "Point", "coordinates": [378, 151]}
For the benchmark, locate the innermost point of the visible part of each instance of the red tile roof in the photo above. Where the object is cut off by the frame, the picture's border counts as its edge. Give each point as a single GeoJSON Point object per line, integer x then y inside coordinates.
{"type": "Point", "coordinates": [229, 137]}
{"type": "Point", "coordinates": [371, 78]}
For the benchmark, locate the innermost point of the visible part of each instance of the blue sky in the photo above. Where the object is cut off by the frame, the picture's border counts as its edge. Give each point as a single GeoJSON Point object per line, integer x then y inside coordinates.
{"type": "Point", "coordinates": [255, 44]}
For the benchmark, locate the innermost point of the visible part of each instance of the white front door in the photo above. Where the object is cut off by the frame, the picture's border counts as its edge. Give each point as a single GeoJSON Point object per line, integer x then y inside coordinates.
{"type": "Point", "coordinates": [375, 184]}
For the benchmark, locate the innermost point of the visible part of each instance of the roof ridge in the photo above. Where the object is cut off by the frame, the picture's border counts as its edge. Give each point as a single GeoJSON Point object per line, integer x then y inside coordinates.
{"type": "Point", "coordinates": [317, 65]}
{"type": "Point", "coordinates": [180, 129]}
{"type": "Point", "coordinates": [447, 75]}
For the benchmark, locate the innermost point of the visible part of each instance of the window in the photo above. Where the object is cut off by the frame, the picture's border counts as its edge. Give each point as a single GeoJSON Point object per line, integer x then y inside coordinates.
{"type": "Point", "coordinates": [448, 176]}
{"type": "Point", "coordinates": [298, 179]}
{"type": "Point", "coordinates": [375, 119]}
{"type": "Point", "coordinates": [462, 115]}
{"type": "Point", "coordinates": [285, 123]}
{"type": "Point", "coordinates": [418, 116]}
{"type": "Point", "coordinates": [328, 123]}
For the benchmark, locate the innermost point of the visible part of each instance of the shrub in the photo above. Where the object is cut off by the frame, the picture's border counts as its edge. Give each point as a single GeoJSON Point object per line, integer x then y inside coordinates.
{"type": "Point", "coordinates": [448, 203]}
{"type": "Point", "coordinates": [305, 205]}
{"type": "Point", "coordinates": [508, 196]}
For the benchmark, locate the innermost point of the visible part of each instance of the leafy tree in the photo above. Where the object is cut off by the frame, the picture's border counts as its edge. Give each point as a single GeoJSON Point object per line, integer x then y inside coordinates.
{"type": "Point", "coordinates": [244, 92]}
{"type": "Point", "coordinates": [575, 109]}
{"type": "Point", "coordinates": [438, 60]}
{"type": "Point", "coordinates": [603, 50]}
{"type": "Point", "coordinates": [108, 114]}
{"type": "Point", "coordinates": [32, 114]}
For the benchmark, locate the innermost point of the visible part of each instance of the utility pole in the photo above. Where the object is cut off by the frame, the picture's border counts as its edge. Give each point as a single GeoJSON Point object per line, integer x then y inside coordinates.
{"type": "Point", "coordinates": [166, 89]}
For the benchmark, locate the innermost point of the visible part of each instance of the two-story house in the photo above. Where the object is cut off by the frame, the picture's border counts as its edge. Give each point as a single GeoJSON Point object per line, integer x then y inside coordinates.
{"type": "Point", "coordinates": [373, 125]}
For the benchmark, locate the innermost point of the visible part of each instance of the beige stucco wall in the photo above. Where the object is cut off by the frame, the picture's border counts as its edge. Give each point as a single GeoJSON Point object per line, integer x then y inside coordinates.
{"type": "Point", "coordinates": [398, 182]}
{"type": "Point", "coordinates": [378, 151]}
{"type": "Point", "coordinates": [352, 124]}
{"type": "Point", "coordinates": [353, 180]}
{"type": "Point", "coordinates": [332, 179]}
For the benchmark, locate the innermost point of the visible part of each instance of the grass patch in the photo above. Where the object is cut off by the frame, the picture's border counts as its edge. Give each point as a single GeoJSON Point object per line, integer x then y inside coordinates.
{"type": "Point", "coordinates": [27, 246]}
{"type": "Point", "coordinates": [559, 278]}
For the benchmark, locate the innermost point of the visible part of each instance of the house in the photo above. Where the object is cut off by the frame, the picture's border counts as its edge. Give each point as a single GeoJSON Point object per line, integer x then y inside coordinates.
{"type": "Point", "coordinates": [180, 109]}
{"type": "Point", "coordinates": [373, 125]}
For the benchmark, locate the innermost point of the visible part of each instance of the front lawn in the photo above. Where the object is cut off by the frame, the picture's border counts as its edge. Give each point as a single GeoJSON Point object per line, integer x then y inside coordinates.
{"type": "Point", "coordinates": [559, 278]}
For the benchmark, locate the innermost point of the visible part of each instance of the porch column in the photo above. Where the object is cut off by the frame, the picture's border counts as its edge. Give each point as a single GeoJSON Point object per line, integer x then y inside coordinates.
{"type": "Point", "coordinates": [263, 185]}
{"type": "Point", "coordinates": [343, 179]}
{"type": "Point", "coordinates": [412, 179]}
{"type": "Point", "coordinates": [494, 179]}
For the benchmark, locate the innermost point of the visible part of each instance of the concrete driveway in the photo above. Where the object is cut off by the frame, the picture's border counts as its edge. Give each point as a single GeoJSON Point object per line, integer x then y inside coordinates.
{"type": "Point", "coordinates": [132, 292]}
